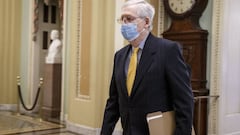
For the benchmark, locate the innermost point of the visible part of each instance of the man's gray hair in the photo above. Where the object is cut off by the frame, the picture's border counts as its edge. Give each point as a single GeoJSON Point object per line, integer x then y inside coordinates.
{"type": "Point", "coordinates": [143, 9]}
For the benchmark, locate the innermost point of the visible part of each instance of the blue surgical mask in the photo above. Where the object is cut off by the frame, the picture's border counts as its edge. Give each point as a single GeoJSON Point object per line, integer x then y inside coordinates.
{"type": "Point", "coordinates": [129, 31]}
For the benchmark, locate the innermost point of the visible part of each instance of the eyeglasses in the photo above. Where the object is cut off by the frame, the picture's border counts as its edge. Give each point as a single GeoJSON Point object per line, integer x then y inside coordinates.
{"type": "Point", "coordinates": [127, 19]}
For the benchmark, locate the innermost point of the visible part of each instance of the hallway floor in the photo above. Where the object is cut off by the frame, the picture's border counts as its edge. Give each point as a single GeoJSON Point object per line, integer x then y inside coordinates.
{"type": "Point", "coordinates": [13, 124]}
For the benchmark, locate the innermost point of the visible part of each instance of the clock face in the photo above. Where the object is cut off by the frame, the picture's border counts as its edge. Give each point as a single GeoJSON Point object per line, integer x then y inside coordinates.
{"type": "Point", "coordinates": [181, 6]}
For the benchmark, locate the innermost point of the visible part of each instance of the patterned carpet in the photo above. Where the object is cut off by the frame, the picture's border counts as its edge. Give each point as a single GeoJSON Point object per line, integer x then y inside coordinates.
{"type": "Point", "coordinates": [12, 124]}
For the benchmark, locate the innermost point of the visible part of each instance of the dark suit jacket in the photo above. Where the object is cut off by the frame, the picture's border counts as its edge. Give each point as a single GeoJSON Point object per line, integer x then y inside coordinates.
{"type": "Point", "coordinates": [162, 84]}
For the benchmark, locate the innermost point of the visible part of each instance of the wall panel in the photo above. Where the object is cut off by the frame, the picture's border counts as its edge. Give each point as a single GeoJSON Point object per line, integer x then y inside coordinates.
{"type": "Point", "coordinates": [91, 49]}
{"type": "Point", "coordinates": [10, 26]}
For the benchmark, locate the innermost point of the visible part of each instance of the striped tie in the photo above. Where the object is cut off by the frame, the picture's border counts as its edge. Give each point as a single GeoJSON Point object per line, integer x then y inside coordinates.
{"type": "Point", "coordinates": [132, 70]}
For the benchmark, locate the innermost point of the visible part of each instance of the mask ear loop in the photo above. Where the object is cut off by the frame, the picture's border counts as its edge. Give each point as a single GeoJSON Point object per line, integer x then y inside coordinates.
{"type": "Point", "coordinates": [142, 29]}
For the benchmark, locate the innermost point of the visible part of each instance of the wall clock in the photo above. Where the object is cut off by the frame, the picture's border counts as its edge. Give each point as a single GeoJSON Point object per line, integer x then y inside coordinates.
{"type": "Point", "coordinates": [180, 7]}
{"type": "Point", "coordinates": [184, 8]}
{"type": "Point", "coordinates": [185, 29]}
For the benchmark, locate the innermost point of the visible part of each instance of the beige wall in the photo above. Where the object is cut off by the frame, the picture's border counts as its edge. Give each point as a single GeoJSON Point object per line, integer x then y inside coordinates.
{"type": "Point", "coordinates": [10, 26]}
{"type": "Point", "coordinates": [90, 48]}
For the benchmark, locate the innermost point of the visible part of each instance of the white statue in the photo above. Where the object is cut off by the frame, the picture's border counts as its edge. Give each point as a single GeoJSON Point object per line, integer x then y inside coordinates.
{"type": "Point", "coordinates": [55, 49]}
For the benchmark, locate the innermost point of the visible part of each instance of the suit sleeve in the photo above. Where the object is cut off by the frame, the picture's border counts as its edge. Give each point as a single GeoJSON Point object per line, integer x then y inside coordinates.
{"type": "Point", "coordinates": [178, 78]}
{"type": "Point", "coordinates": [111, 114]}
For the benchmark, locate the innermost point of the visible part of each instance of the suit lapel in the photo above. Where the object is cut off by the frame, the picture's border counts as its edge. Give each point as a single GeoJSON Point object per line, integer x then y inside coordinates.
{"type": "Point", "coordinates": [123, 74]}
{"type": "Point", "coordinates": [145, 61]}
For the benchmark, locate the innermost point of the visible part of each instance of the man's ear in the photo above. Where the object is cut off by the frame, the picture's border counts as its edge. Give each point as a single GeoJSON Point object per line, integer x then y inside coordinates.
{"type": "Point", "coordinates": [147, 20]}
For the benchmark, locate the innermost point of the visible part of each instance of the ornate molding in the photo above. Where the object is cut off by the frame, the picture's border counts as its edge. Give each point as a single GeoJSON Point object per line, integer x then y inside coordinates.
{"type": "Point", "coordinates": [161, 18]}
{"type": "Point", "coordinates": [35, 20]}
{"type": "Point", "coordinates": [215, 65]}
{"type": "Point", "coordinates": [82, 50]}
{"type": "Point", "coordinates": [78, 46]}
{"type": "Point", "coordinates": [61, 8]}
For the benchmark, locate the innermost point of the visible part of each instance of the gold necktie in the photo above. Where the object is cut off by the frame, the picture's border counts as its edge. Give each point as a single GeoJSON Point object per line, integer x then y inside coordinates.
{"type": "Point", "coordinates": [132, 70]}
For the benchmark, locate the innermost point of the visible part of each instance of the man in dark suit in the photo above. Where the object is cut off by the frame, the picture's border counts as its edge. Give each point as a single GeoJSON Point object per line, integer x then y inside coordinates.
{"type": "Point", "coordinates": [161, 77]}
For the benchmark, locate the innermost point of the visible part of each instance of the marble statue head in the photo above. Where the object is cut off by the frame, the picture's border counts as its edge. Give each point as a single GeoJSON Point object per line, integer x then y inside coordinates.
{"type": "Point", "coordinates": [54, 34]}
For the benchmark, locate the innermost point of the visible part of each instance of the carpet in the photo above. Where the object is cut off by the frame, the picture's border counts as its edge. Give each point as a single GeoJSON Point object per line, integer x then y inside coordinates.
{"type": "Point", "coordinates": [12, 124]}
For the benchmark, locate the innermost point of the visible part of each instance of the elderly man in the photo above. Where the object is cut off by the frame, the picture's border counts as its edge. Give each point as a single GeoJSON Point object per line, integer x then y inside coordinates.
{"type": "Point", "coordinates": [149, 75]}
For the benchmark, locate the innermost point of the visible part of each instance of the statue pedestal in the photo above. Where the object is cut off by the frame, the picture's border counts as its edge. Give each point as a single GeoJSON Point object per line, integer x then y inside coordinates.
{"type": "Point", "coordinates": [51, 104]}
